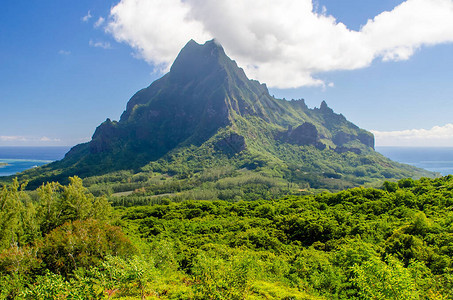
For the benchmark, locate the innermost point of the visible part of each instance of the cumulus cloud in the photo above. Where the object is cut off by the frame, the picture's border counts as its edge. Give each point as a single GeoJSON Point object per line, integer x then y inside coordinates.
{"type": "Point", "coordinates": [284, 43]}
{"type": "Point", "coordinates": [100, 44]}
{"type": "Point", "coordinates": [437, 136]}
{"type": "Point", "coordinates": [156, 29]}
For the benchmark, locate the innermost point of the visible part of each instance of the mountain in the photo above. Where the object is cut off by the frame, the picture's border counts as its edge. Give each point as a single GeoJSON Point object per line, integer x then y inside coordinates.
{"type": "Point", "coordinates": [205, 114]}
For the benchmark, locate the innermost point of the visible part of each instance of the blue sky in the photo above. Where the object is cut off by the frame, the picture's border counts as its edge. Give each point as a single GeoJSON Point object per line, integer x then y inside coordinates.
{"type": "Point", "coordinates": [63, 70]}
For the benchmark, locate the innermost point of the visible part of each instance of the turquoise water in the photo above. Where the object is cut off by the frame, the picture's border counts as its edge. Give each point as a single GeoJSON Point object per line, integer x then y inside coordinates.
{"type": "Point", "coordinates": [22, 158]}
{"type": "Point", "coordinates": [432, 159]}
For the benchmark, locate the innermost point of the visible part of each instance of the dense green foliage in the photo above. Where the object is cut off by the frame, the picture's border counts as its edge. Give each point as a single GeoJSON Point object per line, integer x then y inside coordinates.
{"type": "Point", "coordinates": [363, 243]}
{"type": "Point", "coordinates": [197, 173]}
{"type": "Point", "coordinates": [56, 229]}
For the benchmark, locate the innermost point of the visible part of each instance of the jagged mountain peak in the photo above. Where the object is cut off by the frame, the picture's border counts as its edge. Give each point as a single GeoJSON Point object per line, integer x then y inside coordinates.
{"type": "Point", "coordinates": [196, 60]}
{"type": "Point", "coordinates": [201, 62]}
{"type": "Point", "coordinates": [324, 108]}
{"type": "Point", "coordinates": [203, 75]}
{"type": "Point", "coordinates": [193, 49]}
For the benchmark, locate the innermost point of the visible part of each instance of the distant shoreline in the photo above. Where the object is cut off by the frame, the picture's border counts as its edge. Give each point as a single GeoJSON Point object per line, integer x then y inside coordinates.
{"type": "Point", "coordinates": [14, 160]}
{"type": "Point", "coordinates": [435, 159]}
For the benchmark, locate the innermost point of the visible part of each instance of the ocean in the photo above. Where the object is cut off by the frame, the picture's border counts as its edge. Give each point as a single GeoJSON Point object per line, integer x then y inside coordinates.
{"type": "Point", "coordinates": [432, 159]}
{"type": "Point", "coordinates": [19, 159]}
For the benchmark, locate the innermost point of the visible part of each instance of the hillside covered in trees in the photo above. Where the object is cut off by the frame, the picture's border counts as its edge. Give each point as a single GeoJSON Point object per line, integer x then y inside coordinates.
{"type": "Point", "coordinates": [395, 242]}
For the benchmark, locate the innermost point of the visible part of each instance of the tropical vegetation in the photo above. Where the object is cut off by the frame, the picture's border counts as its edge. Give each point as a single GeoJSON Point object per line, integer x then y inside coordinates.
{"type": "Point", "coordinates": [393, 242]}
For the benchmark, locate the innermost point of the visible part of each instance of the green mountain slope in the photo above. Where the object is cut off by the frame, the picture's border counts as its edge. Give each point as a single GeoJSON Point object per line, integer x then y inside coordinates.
{"type": "Point", "coordinates": [205, 113]}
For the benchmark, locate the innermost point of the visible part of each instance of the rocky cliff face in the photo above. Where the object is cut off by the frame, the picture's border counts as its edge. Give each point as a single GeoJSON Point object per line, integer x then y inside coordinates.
{"type": "Point", "coordinates": [303, 135]}
{"type": "Point", "coordinates": [231, 144]}
{"type": "Point", "coordinates": [365, 138]}
{"type": "Point", "coordinates": [188, 105]}
{"type": "Point", "coordinates": [103, 136]}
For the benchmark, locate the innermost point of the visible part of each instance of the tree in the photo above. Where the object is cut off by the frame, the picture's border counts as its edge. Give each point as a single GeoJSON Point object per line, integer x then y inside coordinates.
{"type": "Point", "coordinates": [11, 208]}
{"type": "Point", "coordinates": [82, 244]}
{"type": "Point", "coordinates": [49, 208]}
{"type": "Point", "coordinates": [76, 203]}
{"type": "Point", "coordinates": [376, 279]}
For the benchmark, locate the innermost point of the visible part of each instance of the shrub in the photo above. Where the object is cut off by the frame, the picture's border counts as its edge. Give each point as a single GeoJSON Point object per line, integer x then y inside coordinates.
{"type": "Point", "coordinates": [82, 244]}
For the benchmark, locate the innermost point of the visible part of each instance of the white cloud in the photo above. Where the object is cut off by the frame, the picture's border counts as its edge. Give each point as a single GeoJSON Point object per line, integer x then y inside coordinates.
{"type": "Point", "coordinates": [87, 17]}
{"type": "Point", "coordinates": [46, 139]}
{"type": "Point", "coordinates": [157, 29]}
{"type": "Point", "coordinates": [99, 22]}
{"type": "Point", "coordinates": [397, 34]}
{"type": "Point", "coordinates": [100, 44]}
{"type": "Point", "coordinates": [438, 136]}
{"type": "Point", "coordinates": [64, 52]}
{"type": "Point", "coordinates": [27, 139]}
{"type": "Point", "coordinates": [12, 138]}
{"type": "Point", "coordinates": [283, 43]}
